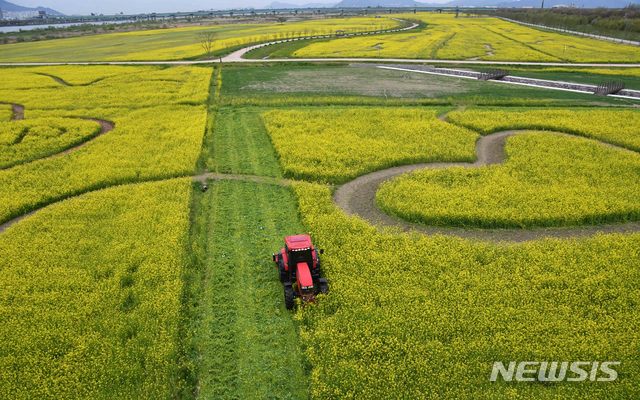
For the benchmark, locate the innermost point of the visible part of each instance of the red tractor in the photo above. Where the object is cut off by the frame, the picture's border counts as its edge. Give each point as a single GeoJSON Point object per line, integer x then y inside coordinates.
{"type": "Point", "coordinates": [299, 267]}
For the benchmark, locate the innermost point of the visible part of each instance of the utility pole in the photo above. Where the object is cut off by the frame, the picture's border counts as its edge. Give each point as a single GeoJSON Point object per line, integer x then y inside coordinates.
{"type": "Point", "coordinates": [542, 4]}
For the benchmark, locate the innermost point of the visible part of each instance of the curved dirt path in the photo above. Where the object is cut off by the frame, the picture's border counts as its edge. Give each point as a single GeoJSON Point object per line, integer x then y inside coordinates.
{"type": "Point", "coordinates": [238, 56]}
{"type": "Point", "coordinates": [57, 79]}
{"type": "Point", "coordinates": [105, 127]}
{"type": "Point", "coordinates": [63, 82]}
{"type": "Point", "coordinates": [358, 197]}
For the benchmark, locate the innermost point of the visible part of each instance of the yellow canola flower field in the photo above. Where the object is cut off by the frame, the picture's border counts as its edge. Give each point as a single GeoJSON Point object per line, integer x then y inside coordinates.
{"type": "Point", "coordinates": [338, 144]}
{"type": "Point", "coordinates": [6, 113]}
{"type": "Point", "coordinates": [418, 317]}
{"type": "Point", "coordinates": [635, 72]}
{"type": "Point", "coordinates": [77, 76]}
{"type": "Point", "coordinates": [547, 180]}
{"type": "Point", "coordinates": [474, 38]}
{"type": "Point", "coordinates": [91, 295]}
{"type": "Point", "coordinates": [615, 126]}
{"type": "Point", "coordinates": [179, 43]}
{"type": "Point", "coordinates": [116, 87]}
{"type": "Point", "coordinates": [26, 140]}
{"type": "Point", "coordinates": [92, 285]}
{"type": "Point", "coordinates": [159, 117]}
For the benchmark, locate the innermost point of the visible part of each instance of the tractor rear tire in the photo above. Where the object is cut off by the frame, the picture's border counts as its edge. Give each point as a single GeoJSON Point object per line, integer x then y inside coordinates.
{"type": "Point", "coordinates": [289, 296]}
{"type": "Point", "coordinates": [323, 285]}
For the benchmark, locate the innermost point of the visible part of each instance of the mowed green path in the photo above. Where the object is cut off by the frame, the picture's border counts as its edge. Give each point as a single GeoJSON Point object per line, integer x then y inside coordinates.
{"type": "Point", "coordinates": [240, 145]}
{"type": "Point", "coordinates": [245, 343]}
{"type": "Point", "coordinates": [245, 340]}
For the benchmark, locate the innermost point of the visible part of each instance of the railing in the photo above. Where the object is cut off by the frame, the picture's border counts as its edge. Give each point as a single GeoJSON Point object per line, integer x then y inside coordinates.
{"type": "Point", "coordinates": [608, 88]}
{"type": "Point", "coordinates": [495, 74]}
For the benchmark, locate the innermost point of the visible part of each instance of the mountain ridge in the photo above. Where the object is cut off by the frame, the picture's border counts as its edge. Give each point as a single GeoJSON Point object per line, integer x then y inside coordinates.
{"type": "Point", "coordinates": [6, 6]}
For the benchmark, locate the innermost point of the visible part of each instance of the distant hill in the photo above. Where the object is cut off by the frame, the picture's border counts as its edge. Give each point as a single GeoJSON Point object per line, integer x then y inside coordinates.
{"type": "Point", "coordinates": [377, 3]}
{"type": "Point", "coordinates": [277, 5]}
{"type": "Point", "coordinates": [6, 6]}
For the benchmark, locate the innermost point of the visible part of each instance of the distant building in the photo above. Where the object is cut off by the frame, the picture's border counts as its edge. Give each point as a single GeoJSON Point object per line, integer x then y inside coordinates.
{"type": "Point", "coordinates": [20, 15]}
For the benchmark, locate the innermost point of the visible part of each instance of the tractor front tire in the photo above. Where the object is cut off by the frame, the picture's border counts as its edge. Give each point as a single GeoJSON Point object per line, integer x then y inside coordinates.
{"type": "Point", "coordinates": [289, 296]}
{"type": "Point", "coordinates": [283, 274]}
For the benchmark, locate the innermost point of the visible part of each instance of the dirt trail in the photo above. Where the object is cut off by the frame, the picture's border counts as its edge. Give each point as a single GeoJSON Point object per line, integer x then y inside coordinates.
{"type": "Point", "coordinates": [105, 127]}
{"type": "Point", "coordinates": [63, 82]}
{"type": "Point", "coordinates": [202, 178]}
{"type": "Point", "coordinates": [358, 197]}
{"type": "Point", "coordinates": [55, 78]}
{"type": "Point", "coordinates": [18, 111]}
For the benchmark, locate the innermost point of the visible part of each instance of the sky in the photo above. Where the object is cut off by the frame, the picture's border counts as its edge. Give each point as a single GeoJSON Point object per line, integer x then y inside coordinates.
{"type": "Point", "coordinates": [144, 6]}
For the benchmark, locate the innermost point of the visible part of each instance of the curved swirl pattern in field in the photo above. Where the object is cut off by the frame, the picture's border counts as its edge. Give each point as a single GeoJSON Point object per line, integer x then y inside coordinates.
{"type": "Point", "coordinates": [105, 127]}
{"type": "Point", "coordinates": [358, 197]}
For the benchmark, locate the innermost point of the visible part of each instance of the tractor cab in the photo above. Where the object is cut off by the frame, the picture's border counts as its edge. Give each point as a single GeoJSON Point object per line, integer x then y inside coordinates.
{"type": "Point", "coordinates": [299, 249]}
{"type": "Point", "coordinates": [298, 264]}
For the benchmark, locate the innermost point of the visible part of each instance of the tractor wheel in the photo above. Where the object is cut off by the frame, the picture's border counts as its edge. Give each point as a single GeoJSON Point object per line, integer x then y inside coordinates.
{"type": "Point", "coordinates": [323, 286]}
{"type": "Point", "coordinates": [283, 273]}
{"type": "Point", "coordinates": [289, 296]}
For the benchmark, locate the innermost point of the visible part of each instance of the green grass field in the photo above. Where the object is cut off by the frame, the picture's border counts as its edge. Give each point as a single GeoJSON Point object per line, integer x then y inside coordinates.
{"type": "Point", "coordinates": [333, 84]}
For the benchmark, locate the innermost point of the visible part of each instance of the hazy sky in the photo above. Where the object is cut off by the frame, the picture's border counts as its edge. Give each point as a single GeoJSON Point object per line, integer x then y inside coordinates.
{"type": "Point", "coordinates": [142, 6]}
